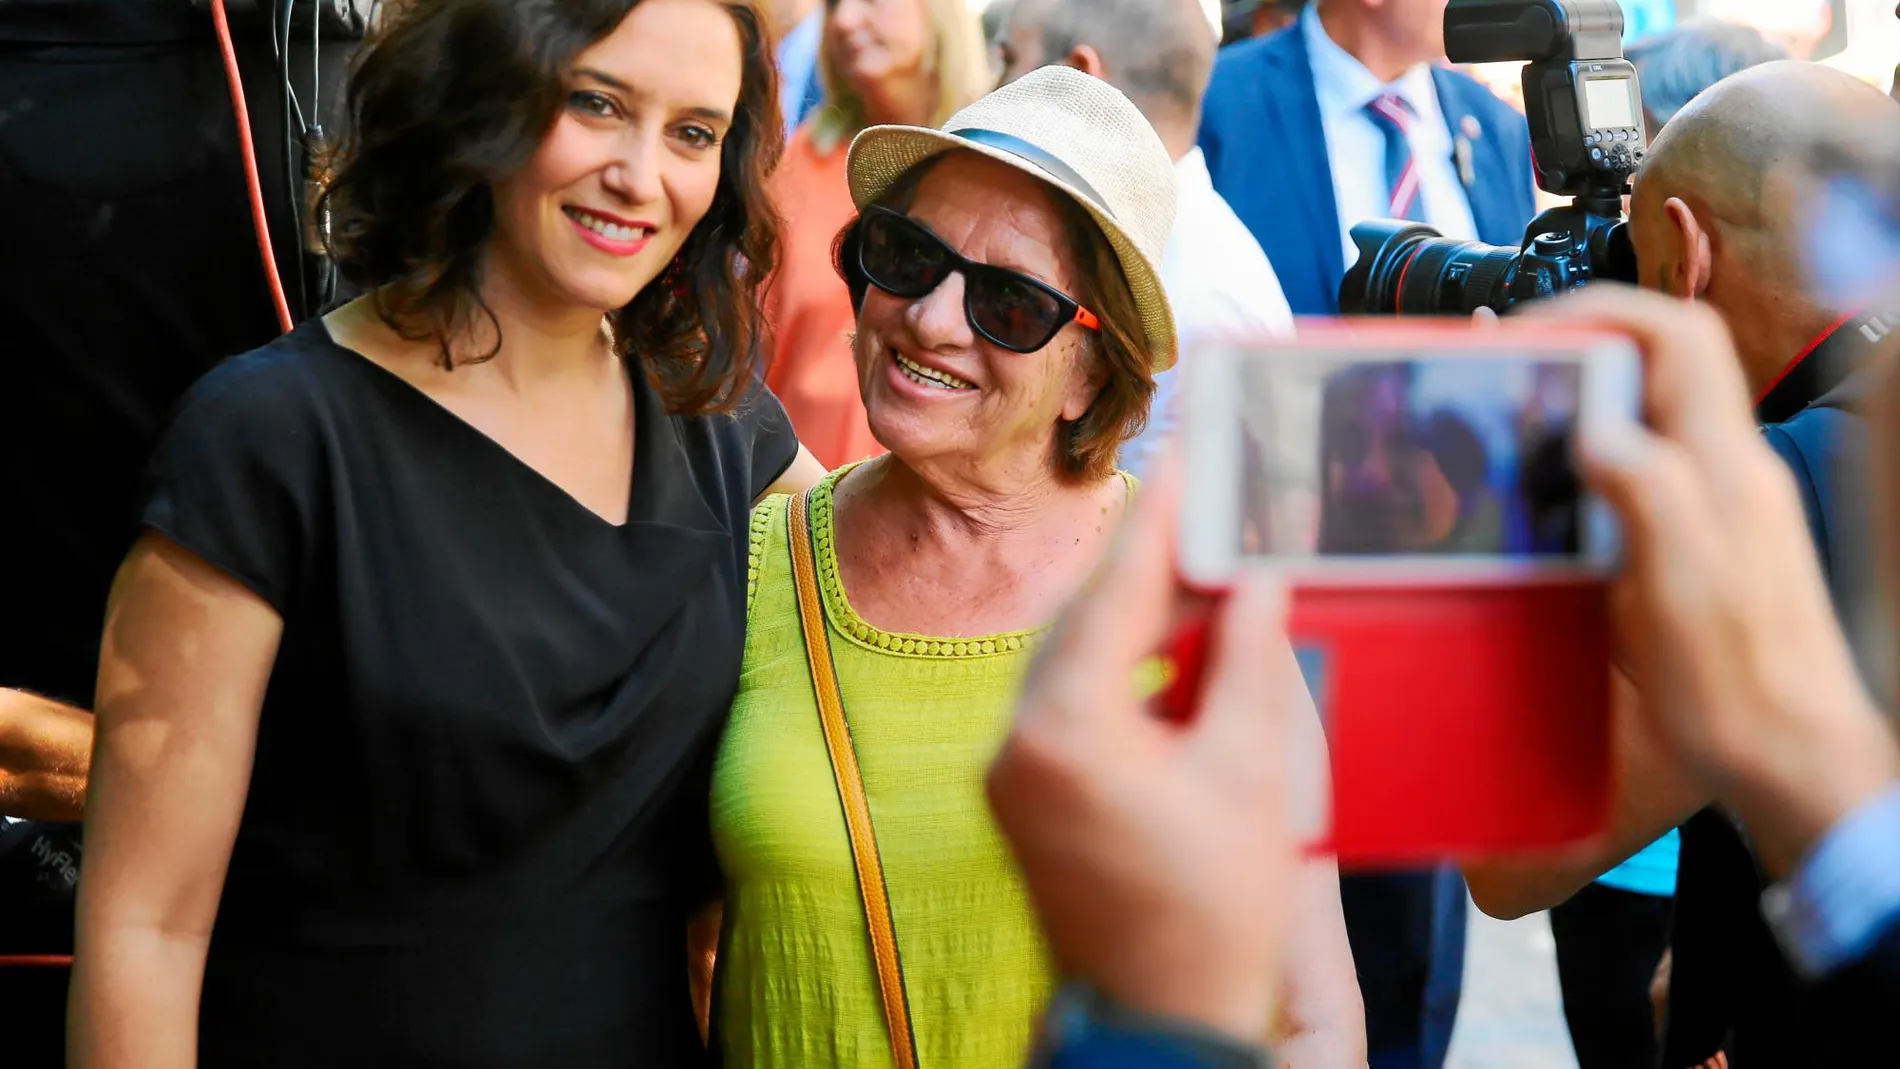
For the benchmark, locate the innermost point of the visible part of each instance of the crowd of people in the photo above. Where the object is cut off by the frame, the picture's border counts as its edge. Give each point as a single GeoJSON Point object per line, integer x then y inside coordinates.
{"type": "Point", "coordinates": [685, 599]}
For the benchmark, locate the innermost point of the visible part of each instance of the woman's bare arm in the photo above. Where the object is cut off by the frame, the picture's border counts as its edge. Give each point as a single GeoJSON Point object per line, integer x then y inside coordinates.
{"type": "Point", "coordinates": [801, 476]}
{"type": "Point", "coordinates": [187, 654]}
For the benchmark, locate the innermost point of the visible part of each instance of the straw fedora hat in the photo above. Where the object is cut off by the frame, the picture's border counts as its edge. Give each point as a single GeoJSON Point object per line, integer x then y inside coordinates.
{"type": "Point", "coordinates": [1078, 134]}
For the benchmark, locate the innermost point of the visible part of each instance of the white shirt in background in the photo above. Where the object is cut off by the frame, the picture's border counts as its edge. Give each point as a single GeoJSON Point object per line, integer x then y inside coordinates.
{"type": "Point", "coordinates": [1218, 280]}
{"type": "Point", "coordinates": [1355, 143]}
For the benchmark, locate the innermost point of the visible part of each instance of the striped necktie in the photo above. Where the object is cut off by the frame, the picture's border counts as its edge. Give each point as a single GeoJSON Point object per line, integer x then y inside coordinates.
{"type": "Point", "coordinates": [1394, 116]}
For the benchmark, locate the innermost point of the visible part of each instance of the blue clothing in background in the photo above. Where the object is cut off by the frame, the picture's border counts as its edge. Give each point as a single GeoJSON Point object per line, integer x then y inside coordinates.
{"type": "Point", "coordinates": [800, 89]}
{"type": "Point", "coordinates": [1644, 17]}
{"type": "Point", "coordinates": [1265, 142]}
{"type": "Point", "coordinates": [1651, 871]}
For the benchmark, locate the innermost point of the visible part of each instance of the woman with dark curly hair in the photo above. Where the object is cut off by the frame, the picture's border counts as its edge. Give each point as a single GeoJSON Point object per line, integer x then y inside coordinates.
{"type": "Point", "coordinates": [410, 687]}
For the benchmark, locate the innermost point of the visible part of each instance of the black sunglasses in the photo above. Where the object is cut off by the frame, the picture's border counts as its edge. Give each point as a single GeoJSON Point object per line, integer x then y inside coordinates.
{"type": "Point", "coordinates": [1012, 310]}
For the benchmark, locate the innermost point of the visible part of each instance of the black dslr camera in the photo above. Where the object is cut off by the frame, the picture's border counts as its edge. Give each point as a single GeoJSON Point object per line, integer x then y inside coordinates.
{"type": "Point", "coordinates": [1586, 120]}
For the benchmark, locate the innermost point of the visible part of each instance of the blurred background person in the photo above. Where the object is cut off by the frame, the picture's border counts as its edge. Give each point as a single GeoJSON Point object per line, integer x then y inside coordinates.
{"type": "Point", "coordinates": [1675, 65]}
{"type": "Point", "coordinates": [1344, 116]}
{"type": "Point", "coordinates": [1543, 433]}
{"type": "Point", "coordinates": [1244, 19]}
{"type": "Point", "coordinates": [995, 24]}
{"type": "Point", "coordinates": [1715, 201]}
{"type": "Point", "coordinates": [939, 578]}
{"type": "Point", "coordinates": [906, 62]}
{"type": "Point", "coordinates": [1160, 53]}
{"type": "Point", "coordinates": [1341, 117]}
{"type": "Point", "coordinates": [1371, 500]}
{"type": "Point", "coordinates": [1458, 484]}
{"type": "Point", "coordinates": [799, 27]}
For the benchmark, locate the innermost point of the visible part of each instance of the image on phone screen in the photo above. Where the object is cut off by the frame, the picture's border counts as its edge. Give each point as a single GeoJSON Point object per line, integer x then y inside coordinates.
{"type": "Point", "coordinates": [1438, 458]}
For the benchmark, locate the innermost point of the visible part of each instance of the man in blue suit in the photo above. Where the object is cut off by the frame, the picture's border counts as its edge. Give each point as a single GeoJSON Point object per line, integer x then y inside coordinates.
{"type": "Point", "coordinates": [1342, 117]}
{"type": "Point", "coordinates": [1336, 119]}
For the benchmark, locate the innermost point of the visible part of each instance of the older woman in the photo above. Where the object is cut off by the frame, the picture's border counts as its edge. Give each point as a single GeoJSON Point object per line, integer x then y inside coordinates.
{"type": "Point", "coordinates": [914, 62]}
{"type": "Point", "coordinates": [1010, 322]}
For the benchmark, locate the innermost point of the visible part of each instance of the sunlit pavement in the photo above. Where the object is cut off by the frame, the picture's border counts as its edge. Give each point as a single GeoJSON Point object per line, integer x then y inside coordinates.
{"type": "Point", "coordinates": [1511, 1016]}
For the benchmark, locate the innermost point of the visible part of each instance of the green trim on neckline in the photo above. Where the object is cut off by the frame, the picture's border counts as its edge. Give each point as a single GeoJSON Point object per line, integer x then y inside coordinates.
{"type": "Point", "coordinates": [853, 628]}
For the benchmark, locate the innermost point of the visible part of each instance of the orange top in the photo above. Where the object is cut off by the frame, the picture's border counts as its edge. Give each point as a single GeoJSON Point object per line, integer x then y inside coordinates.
{"type": "Point", "coordinates": [809, 309]}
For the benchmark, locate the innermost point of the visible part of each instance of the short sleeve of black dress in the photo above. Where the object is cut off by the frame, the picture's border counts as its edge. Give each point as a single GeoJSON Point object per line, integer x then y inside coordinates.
{"type": "Point", "coordinates": [768, 431]}
{"type": "Point", "coordinates": [237, 476]}
{"type": "Point", "coordinates": [475, 827]}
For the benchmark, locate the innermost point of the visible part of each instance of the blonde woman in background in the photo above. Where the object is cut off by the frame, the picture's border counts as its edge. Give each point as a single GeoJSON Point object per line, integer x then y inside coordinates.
{"type": "Point", "coordinates": [903, 62]}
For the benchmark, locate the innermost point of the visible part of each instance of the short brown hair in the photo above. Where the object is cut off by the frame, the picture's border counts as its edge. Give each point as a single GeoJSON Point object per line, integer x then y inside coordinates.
{"type": "Point", "coordinates": [447, 98]}
{"type": "Point", "coordinates": [1087, 448]}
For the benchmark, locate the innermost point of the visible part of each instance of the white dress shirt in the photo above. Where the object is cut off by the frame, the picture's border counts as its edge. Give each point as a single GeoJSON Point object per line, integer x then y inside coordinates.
{"type": "Point", "coordinates": [1355, 143]}
{"type": "Point", "coordinates": [1218, 280]}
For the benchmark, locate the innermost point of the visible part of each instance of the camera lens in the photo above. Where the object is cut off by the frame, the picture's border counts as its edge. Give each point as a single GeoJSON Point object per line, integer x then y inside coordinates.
{"type": "Point", "coordinates": [1409, 269]}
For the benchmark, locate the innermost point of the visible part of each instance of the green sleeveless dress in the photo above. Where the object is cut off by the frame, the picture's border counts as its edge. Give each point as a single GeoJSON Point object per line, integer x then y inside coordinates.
{"type": "Point", "coordinates": [796, 987]}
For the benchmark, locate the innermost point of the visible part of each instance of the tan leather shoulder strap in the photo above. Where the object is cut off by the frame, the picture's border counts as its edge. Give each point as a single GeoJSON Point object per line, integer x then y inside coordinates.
{"type": "Point", "coordinates": [844, 768]}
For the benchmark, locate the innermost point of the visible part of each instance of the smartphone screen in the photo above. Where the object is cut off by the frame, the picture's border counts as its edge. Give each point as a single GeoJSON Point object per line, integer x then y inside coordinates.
{"type": "Point", "coordinates": [1390, 457]}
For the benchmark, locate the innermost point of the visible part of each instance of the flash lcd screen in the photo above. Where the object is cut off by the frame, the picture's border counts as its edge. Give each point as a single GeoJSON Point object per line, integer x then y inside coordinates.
{"type": "Point", "coordinates": [1609, 102]}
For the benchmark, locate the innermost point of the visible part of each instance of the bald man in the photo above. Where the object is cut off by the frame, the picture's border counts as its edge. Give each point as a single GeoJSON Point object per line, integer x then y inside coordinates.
{"type": "Point", "coordinates": [1718, 216]}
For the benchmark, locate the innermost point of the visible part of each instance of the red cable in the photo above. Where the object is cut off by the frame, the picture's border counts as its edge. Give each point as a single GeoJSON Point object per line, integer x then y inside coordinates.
{"type": "Point", "coordinates": [256, 185]}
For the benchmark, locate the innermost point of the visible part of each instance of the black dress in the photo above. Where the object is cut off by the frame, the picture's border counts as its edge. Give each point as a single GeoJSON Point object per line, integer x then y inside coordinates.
{"type": "Point", "coordinates": [476, 825]}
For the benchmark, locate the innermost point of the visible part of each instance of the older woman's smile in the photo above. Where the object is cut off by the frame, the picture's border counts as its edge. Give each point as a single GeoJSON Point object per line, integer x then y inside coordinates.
{"type": "Point", "coordinates": [927, 376]}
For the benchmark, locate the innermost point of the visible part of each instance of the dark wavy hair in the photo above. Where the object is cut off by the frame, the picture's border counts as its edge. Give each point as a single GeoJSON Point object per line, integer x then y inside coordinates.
{"type": "Point", "coordinates": [448, 97]}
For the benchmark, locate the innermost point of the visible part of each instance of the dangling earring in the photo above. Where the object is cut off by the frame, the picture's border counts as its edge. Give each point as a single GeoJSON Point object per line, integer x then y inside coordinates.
{"type": "Point", "coordinates": [674, 278]}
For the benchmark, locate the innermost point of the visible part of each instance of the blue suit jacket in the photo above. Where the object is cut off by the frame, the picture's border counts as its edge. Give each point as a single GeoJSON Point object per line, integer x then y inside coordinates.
{"type": "Point", "coordinates": [1266, 148]}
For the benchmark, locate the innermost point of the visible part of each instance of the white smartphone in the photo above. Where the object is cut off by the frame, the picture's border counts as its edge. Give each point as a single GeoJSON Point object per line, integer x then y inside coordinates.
{"type": "Point", "coordinates": [1377, 452]}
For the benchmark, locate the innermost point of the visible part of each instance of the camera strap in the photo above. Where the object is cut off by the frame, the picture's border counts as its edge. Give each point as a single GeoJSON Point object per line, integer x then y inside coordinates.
{"type": "Point", "coordinates": [1836, 353]}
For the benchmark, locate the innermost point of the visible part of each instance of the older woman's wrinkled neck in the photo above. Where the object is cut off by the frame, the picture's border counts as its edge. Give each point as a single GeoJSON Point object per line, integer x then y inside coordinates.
{"type": "Point", "coordinates": [931, 551]}
{"type": "Point", "coordinates": [952, 505]}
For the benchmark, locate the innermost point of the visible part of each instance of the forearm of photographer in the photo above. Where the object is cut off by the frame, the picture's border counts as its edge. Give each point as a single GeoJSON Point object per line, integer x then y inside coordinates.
{"type": "Point", "coordinates": [1655, 791]}
{"type": "Point", "coordinates": [45, 748]}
